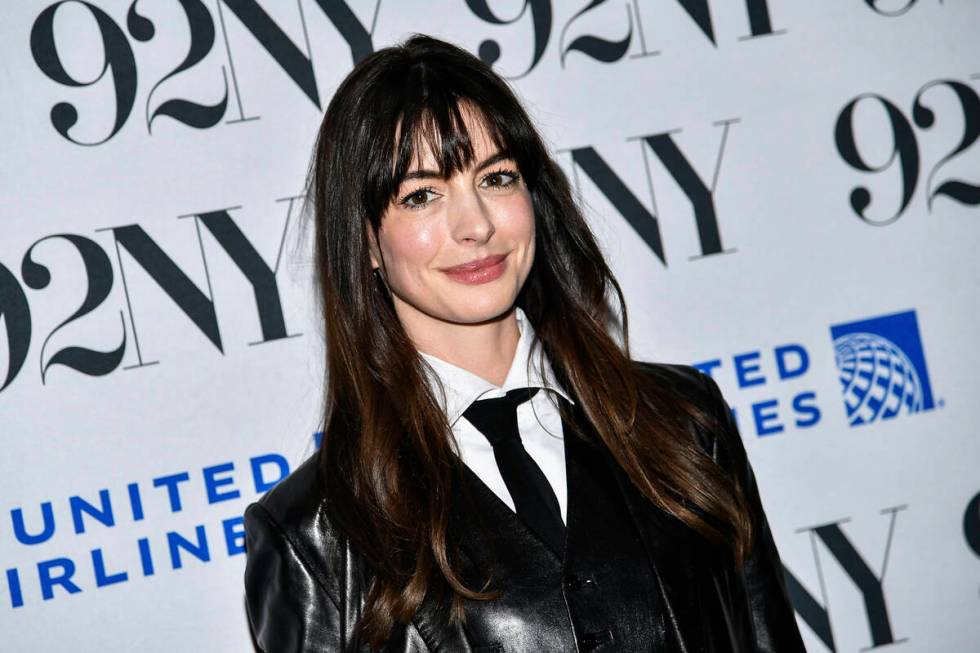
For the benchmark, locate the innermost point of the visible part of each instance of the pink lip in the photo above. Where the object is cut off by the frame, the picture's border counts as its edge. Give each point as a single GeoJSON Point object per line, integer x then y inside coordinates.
{"type": "Point", "coordinates": [479, 271]}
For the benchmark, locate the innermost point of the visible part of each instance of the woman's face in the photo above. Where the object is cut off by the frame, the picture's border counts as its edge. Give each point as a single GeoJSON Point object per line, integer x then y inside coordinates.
{"type": "Point", "coordinates": [480, 218]}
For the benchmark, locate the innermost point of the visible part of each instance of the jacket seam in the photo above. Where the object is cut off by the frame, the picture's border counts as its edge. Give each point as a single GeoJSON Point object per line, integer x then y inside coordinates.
{"type": "Point", "coordinates": [269, 519]}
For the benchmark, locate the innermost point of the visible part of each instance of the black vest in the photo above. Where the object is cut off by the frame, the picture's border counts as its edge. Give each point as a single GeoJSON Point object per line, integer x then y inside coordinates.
{"type": "Point", "coordinates": [601, 594]}
{"type": "Point", "coordinates": [306, 584]}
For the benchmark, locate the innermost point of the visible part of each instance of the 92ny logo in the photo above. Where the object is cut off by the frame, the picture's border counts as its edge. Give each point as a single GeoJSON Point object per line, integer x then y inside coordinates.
{"type": "Point", "coordinates": [122, 40]}
{"type": "Point", "coordinates": [120, 70]}
{"type": "Point", "coordinates": [905, 149]}
{"type": "Point", "coordinates": [197, 304]}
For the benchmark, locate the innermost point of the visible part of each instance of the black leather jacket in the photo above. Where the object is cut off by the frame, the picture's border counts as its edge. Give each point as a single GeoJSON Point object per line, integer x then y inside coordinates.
{"type": "Point", "coordinates": [305, 585]}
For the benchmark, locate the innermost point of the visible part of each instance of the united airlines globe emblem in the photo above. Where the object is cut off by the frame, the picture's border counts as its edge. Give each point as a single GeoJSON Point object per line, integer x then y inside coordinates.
{"type": "Point", "coordinates": [878, 378]}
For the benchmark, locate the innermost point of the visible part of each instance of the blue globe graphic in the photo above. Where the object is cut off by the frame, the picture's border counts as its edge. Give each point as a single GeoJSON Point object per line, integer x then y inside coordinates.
{"type": "Point", "coordinates": [878, 379]}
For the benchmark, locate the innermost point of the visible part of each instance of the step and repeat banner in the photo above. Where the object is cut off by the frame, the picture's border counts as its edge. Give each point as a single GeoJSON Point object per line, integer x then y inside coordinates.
{"type": "Point", "coordinates": [789, 193]}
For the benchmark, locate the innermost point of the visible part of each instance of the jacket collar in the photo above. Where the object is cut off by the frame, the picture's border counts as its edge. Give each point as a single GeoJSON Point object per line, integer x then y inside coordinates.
{"type": "Point", "coordinates": [456, 388]}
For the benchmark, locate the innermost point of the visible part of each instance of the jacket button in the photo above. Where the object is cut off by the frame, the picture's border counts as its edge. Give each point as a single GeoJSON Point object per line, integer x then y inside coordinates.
{"type": "Point", "coordinates": [591, 641]}
{"type": "Point", "coordinates": [579, 582]}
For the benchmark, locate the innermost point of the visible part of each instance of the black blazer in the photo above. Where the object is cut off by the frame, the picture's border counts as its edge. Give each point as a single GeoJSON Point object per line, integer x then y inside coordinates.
{"type": "Point", "coordinates": [305, 585]}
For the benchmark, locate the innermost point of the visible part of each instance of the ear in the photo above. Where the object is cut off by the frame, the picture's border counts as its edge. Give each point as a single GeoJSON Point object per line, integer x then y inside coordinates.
{"type": "Point", "coordinates": [373, 249]}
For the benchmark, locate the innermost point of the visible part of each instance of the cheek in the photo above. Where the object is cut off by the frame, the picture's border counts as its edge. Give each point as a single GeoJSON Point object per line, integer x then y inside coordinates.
{"type": "Point", "coordinates": [407, 246]}
{"type": "Point", "coordinates": [520, 219]}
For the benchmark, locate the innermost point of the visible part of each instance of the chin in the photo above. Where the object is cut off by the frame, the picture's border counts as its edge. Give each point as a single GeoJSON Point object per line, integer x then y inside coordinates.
{"type": "Point", "coordinates": [473, 312]}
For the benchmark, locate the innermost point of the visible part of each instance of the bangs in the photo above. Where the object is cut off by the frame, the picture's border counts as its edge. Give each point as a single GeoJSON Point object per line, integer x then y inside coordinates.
{"type": "Point", "coordinates": [427, 124]}
{"type": "Point", "coordinates": [415, 113]}
{"type": "Point", "coordinates": [440, 131]}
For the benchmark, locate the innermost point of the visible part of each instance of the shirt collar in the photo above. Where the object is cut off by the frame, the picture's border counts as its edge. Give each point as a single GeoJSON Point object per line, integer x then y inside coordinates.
{"type": "Point", "coordinates": [462, 387]}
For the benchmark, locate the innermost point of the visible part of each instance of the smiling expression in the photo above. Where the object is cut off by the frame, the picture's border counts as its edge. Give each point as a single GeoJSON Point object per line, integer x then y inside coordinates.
{"type": "Point", "coordinates": [457, 250]}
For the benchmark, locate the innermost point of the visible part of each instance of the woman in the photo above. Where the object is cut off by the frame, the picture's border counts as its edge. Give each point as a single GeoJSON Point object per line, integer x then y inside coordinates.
{"type": "Point", "coordinates": [496, 473]}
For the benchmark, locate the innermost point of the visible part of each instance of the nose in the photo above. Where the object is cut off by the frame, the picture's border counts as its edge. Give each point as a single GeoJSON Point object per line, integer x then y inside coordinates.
{"type": "Point", "coordinates": [471, 218]}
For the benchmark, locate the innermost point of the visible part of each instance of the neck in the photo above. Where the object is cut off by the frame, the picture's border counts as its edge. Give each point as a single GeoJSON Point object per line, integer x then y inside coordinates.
{"type": "Point", "coordinates": [484, 348]}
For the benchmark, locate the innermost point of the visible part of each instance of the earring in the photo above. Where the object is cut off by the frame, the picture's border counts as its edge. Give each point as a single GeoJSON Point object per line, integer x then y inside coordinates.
{"type": "Point", "coordinates": [380, 284]}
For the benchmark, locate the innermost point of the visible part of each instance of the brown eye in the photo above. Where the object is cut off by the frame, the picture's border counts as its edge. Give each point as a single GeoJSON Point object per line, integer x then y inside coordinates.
{"type": "Point", "coordinates": [500, 179]}
{"type": "Point", "coordinates": [417, 199]}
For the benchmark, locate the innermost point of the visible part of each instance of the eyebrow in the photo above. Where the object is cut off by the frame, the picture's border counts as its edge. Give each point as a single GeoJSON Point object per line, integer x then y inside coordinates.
{"type": "Point", "coordinates": [429, 174]}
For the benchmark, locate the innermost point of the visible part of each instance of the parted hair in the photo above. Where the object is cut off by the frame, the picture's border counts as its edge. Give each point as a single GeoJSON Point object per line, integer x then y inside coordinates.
{"type": "Point", "coordinates": [388, 462]}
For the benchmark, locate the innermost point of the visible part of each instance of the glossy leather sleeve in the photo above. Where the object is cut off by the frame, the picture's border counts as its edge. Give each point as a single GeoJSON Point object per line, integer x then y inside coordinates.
{"type": "Point", "coordinates": [773, 622]}
{"type": "Point", "coordinates": [290, 611]}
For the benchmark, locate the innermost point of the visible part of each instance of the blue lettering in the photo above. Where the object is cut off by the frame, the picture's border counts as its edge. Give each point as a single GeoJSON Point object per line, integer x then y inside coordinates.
{"type": "Point", "coordinates": [212, 483]}
{"type": "Point", "coordinates": [803, 408]}
{"type": "Point", "coordinates": [171, 484]}
{"type": "Point", "coordinates": [744, 367]}
{"type": "Point", "coordinates": [49, 581]}
{"type": "Point", "coordinates": [176, 542]}
{"type": "Point", "coordinates": [803, 361]}
{"type": "Point", "coordinates": [146, 560]}
{"type": "Point", "coordinates": [101, 578]}
{"type": "Point", "coordinates": [20, 531]}
{"type": "Point", "coordinates": [13, 585]}
{"type": "Point", "coordinates": [79, 505]}
{"type": "Point", "coordinates": [707, 366]}
{"type": "Point", "coordinates": [135, 501]}
{"type": "Point", "coordinates": [234, 535]}
{"type": "Point", "coordinates": [261, 483]}
{"type": "Point", "coordinates": [761, 418]}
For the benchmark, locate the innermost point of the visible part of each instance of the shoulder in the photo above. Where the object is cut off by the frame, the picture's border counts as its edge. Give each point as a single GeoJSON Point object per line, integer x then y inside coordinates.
{"type": "Point", "coordinates": [686, 382]}
{"type": "Point", "coordinates": [685, 379]}
{"type": "Point", "coordinates": [295, 496]}
{"type": "Point", "coordinates": [295, 592]}
{"type": "Point", "coordinates": [716, 430]}
{"type": "Point", "coordinates": [296, 509]}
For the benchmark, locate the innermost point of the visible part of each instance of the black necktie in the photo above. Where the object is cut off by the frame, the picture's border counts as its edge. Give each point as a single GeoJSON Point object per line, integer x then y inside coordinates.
{"type": "Point", "coordinates": [534, 500]}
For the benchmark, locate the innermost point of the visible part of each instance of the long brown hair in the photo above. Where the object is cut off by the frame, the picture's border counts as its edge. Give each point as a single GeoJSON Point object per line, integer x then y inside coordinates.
{"type": "Point", "coordinates": [388, 461]}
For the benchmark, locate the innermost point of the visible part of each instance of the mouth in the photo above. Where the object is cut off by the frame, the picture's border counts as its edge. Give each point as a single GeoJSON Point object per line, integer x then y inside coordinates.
{"type": "Point", "coordinates": [478, 271]}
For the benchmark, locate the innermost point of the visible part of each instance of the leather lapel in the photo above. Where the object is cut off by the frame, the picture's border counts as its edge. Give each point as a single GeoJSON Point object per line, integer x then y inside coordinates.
{"type": "Point", "coordinates": [487, 531]}
{"type": "Point", "coordinates": [672, 549]}
{"type": "Point", "coordinates": [486, 517]}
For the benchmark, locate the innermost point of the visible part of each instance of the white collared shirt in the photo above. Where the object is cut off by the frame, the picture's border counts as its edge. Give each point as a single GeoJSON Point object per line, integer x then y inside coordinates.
{"type": "Point", "coordinates": [538, 420]}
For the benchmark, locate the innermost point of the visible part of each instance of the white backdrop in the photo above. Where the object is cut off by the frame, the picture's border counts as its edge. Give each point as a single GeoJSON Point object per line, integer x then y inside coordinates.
{"type": "Point", "coordinates": [787, 191]}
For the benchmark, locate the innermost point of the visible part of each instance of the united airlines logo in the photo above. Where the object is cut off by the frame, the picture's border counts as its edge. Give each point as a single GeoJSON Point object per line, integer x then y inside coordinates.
{"type": "Point", "coordinates": [882, 367]}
